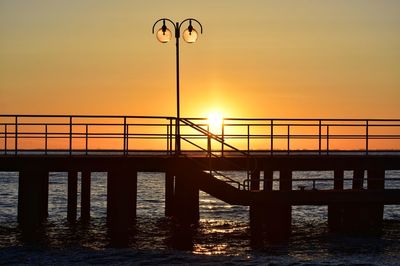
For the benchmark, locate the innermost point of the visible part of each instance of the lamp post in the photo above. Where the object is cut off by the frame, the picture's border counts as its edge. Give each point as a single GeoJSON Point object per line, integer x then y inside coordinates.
{"type": "Point", "coordinates": [190, 35]}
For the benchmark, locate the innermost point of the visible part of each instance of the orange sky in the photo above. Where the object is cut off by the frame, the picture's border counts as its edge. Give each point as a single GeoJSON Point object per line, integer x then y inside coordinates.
{"type": "Point", "coordinates": [329, 59]}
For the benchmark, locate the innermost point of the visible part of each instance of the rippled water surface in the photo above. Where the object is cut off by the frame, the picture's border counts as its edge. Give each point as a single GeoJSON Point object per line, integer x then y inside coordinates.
{"type": "Point", "coordinates": [222, 237]}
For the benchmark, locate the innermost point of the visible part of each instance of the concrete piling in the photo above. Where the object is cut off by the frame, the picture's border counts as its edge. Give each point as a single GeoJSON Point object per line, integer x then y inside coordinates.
{"type": "Point", "coordinates": [186, 200]}
{"type": "Point", "coordinates": [279, 227]}
{"type": "Point", "coordinates": [169, 193]}
{"type": "Point", "coordinates": [72, 196]}
{"type": "Point", "coordinates": [268, 179]}
{"type": "Point", "coordinates": [32, 198]}
{"type": "Point", "coordinates": [256, 213]}
{"type": "Point", "coordinates": [276, 216]}
{"type": "Point", "coordinates": [375, 181]}
{"type": "Point", "coordinates": [358, 179]}
{"type": "Point", "coordinates": [85, 196]}
{"type": "Point", "coordinates": [336, 211]}
{"type": "Point", "coordinates": [353, 218]}
{"type": "Point", "coordinates": [121, 203]}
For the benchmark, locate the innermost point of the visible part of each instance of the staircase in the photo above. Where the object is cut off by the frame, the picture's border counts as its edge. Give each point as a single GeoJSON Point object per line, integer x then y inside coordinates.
{"type": "Point", "coordinates": [214, 183]}
{"type": "Point", "coordinates": [221, 189]}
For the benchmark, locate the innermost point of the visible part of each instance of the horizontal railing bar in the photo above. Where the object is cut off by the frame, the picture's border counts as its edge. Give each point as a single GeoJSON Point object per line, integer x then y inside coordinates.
{"type": "Point", "coordinates": [118, 136]}
{"type": "Point", "coordinates": [86, 116]}
{"type": "Point", "coordinates": [21, 134]}
{"type": "Point", "coordinates": [324, 179]}
{"type": "Point", "coordinates": [276, 120]}
{"type": "Point", "coordinates": [83, 124]}
{"type": "Point", "coordinates": [310, 125]}
{"type": "Point", "coordinates": [299, 119]}
{"type": "Point", "coordinates": [201, 125]}
{"type": "Point", "coordinates": [20, 131]}
{"type": "Point", "coordinates": [204, 119]}
{"type": "Point", "coordinates": [253, 152]}
{"type": "Point", "coordinates": [182, 125]}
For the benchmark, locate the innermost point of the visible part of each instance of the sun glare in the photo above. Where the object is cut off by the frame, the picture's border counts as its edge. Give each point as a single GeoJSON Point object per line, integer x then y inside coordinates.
{"type": "Point", "coordinates": [215, 121]}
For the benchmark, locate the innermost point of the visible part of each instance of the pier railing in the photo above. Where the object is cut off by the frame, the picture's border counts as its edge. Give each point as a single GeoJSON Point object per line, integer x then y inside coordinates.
{"type": "Point", "coordinates": [322, 183]}
{"type": "Point", "coordinates": [155, 135]}
{"type": "Point", "coordinates": [317, 136]}
{"type": "Point", "coordinates": [84, 135]}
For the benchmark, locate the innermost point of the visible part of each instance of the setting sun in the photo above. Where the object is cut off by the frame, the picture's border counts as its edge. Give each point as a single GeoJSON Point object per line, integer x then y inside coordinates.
{"type": "Point", "coordinates": [215, 121]}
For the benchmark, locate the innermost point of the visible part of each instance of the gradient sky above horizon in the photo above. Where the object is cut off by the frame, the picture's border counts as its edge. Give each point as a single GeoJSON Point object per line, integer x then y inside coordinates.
{"type": "Point", "coordinates": [281, 59]}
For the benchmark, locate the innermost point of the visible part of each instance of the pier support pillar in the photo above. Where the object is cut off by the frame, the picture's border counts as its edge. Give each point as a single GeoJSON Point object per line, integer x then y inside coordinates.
{"type": "Point", "coordinates": [356, 218]}
{"type": "Point", "coordinates": [186, 200]}
{"type": "Point", "coordinates": [255, 180]}
{"type": "Point", "coordinates": [169, 193]}
{"type": "Point", "coordinates": [33, 191]}
{"type": "Point", "coordinates": [279, 214]}
{"type": "Point", "coordinates": [85, 196]}
{"type": "Point", "coordinates": [336, 211]}
{"type": "Point", "coordinates": [268, 179]}
{"type": "Point", "coordinates": [121, 203]}
{"type": "Point", "coordinates": [348, 218]}
{"type": "Point", "coordinates": [72, 196]}
{"type": "Point", "coordinates": [355, 214]}
{"type": "Point", "coordinates": [256, 213]}
{"type": "Point", "coordinates": [358, 179]}
{"type": "Point", "coordinates": [258, 224]}
{"type": "Point", "coordinates": [375, 180]}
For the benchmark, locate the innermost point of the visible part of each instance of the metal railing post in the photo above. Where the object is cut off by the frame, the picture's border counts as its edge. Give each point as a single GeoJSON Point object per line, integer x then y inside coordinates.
{"type": "Point", "coordinates": [86, 139]}
{"type": "Point", "coordinates": [209, 141]}
{"type": "Point", "coordinates": [5, 139]}
{"type": "Point", "coordinates": [124, 146]}
{"type": "Point", "coordinates": [222, 136]}
{"type": "Point", "coordinates": [70, 135]}
{"type": "Point", "coordinates": [272, 137]}
{"type": "Point", "coordinates": [16, 135]}
{"type": "Point", "coordinates": [45, 139]}
{"type": "Point", "coordinates": [319, 137]}
{"type": "Point", "coordinates": [327, 139]}
{"type": "Point", "coordinates": [209, 149]}
{"type": "Point", "coordinates": [177, 136]}
{"type": "Point", "coordinates": [248, 152]}
{"type": "Point", "coordinates": [127, 139]}
{"type": "Point", "coordinates": [248, 139]}
{"type": "Point", "coordinates": [167, 138]}
{"type": "Point", "coordinates": [170, 136]}
{"type": "Point", "coordinates": [366, 136]}
{"type": "Point", "coordinates": [288, 139]}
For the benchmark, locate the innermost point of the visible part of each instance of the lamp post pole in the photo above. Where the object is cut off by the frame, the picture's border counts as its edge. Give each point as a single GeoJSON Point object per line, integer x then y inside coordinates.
{"type": "Point", "coordinates": [190, 35]}
{"type": "Point", "coordinates": [178, 111]}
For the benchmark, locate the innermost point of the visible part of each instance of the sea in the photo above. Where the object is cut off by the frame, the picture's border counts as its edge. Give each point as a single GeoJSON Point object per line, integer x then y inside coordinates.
{"type": "Point", "coordinates": [221, 238]}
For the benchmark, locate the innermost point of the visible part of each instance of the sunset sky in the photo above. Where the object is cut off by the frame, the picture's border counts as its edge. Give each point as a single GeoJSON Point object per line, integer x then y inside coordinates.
{"type": "Point", "coordinates": [282, 59]}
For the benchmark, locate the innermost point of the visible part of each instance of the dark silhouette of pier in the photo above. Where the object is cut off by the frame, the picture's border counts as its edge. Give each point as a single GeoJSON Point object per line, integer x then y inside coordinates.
{"type": "Point", "coordinates": [37, 145]}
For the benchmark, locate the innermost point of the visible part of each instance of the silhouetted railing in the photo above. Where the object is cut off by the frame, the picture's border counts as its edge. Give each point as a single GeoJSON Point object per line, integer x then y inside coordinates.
{"type": "Point", "coordinates": [152, 135]}
{"type": "Point", "coordinates": [320, 183]}
{"type": "Point", "coordinates": [318, 136]}
{"type": "Point", "coordinates": [62, 134]}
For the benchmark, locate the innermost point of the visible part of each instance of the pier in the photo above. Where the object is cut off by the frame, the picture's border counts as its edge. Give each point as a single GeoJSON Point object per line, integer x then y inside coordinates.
{"type": "Point", "coordinates": [267, 151]}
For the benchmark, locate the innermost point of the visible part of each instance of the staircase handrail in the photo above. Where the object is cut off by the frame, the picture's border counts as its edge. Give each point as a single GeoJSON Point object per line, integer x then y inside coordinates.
{"type": "Point", "coordinates": [228, 179]}
{"type": "Point", "coordinates": [213, 136]}
{"type": "Point", "coordinates": [220, 140]}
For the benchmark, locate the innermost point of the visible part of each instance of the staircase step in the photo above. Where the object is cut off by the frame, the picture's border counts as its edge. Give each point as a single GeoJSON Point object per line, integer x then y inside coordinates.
{"type": "Point", "coordinates": [221, 189]}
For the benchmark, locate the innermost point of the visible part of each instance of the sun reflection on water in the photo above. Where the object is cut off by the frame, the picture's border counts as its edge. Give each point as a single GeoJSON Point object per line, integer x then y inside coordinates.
{"type": "Point", "coordinates": [210, 249]}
